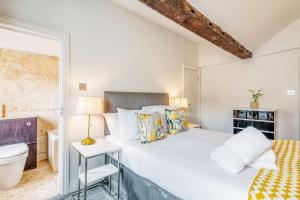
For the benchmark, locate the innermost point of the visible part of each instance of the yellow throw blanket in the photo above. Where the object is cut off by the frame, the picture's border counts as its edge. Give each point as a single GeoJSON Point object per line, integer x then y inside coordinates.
{"type": "Point", "coordinates": [283, 183]}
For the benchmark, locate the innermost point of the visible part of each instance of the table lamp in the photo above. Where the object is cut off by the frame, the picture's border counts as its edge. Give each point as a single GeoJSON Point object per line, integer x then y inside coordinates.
{"type": "Point", "coordinates": [89, 106]}
{"type": "Point", "coordinates": [181, 102]}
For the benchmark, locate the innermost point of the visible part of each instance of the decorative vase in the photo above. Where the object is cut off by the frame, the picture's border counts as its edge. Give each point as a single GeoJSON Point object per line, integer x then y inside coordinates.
{"type": "Point", "coordinates": [254, 104]}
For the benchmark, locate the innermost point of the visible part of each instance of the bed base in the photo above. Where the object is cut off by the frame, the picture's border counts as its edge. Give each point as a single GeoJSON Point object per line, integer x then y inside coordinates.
{"type": "Point", "coordinates": [135, 187]}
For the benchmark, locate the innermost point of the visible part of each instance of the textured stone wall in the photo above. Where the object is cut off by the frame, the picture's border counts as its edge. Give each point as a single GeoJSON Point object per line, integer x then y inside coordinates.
{"type": "Point", "coordinates": [29, 87]}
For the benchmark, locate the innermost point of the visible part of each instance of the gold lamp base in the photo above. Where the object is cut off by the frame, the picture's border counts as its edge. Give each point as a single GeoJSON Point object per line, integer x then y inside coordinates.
{"type": "Point", "coordinates": [88, 141]}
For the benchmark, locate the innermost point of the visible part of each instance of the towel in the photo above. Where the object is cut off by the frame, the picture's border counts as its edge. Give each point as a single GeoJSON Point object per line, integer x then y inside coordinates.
{"type": "Point", "coordinates": [266, 160]}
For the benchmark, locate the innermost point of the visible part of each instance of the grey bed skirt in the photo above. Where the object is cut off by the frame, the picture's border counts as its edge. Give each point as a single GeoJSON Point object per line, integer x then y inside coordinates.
{"type": "Point", "coordinates": [135, 187]}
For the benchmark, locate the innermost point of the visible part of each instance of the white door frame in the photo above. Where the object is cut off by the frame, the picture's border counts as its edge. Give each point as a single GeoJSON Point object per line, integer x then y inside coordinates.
{"type": "Point", "coordinates": [199, 88]}
{"type": "Point", "coordinates": [299, 99]}
{"type": "Point", "coordinates": [64, 88]}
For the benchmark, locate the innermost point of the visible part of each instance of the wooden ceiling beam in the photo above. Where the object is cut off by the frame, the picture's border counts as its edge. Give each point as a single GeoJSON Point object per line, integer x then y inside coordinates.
{"type": "Point", "coordinates": [184, 14]}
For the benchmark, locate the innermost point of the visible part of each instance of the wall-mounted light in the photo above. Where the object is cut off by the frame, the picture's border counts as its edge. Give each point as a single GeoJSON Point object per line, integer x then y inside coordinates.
{"type": "Point", "coordinates": [82, 86]}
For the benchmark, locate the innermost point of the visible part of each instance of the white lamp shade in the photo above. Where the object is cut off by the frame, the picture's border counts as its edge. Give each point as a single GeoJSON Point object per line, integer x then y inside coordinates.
{"type": "Point", "coordinates": [181, 102]}
{"type": "Point", "coordinates": [89, 106]}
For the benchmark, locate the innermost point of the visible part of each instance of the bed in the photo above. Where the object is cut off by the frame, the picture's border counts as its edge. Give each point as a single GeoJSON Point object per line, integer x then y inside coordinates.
{"type": "Point", "coordinates": [178, 167]}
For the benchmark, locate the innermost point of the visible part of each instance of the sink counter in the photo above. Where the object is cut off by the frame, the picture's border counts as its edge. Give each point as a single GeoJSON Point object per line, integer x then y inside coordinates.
{"type": "Point", "coordinates": [17, 117]}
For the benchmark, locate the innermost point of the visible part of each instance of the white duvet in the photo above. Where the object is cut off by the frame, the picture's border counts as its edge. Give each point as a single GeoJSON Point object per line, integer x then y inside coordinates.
{"type": "Point", "coordinates": [181, 165]}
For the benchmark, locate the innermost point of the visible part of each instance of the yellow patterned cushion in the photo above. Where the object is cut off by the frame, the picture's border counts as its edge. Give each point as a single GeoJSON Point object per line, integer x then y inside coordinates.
{"type": "Point", "coordinates": [283, 183]}
{"type": "Point", "coordinates": [176, 120]}
{"type": "Point", "coordinates": [150, 127]}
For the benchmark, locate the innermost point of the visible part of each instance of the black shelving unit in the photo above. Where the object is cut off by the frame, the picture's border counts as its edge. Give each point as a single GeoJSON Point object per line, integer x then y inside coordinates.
{"type": "Point", "coordinates": [264, 120]}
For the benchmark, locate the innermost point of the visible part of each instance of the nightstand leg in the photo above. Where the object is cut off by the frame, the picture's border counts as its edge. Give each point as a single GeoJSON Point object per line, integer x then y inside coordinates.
{"type": "Point", "coordinates": [110, 176]}
{"type": "Point", "coordinates": [85, 178]}
{"type": "Point", "coordinates": [110, 185]}
{"type": "Point", "coordinates": [79, 171]}
{"type": "Point", "coordinates": [118, 176]}
{"type": "Point", "coordinates": [118, 186]}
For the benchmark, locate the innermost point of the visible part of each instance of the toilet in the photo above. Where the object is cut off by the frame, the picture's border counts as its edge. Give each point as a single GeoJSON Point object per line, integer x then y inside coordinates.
{"type": "Point", "coordinates": [12, 163]}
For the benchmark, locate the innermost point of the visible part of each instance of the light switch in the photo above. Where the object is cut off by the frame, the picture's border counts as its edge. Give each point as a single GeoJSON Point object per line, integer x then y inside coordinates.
{"type": "Point", "coordinates": [82, 86]}
{"type": "Point", "coordinates": [290, 92]}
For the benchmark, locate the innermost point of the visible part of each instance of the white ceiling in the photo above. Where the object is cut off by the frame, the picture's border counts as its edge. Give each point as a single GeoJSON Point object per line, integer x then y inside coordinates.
{"type": "Point", "coordinates": [251, 22]}
{"type": "Point", "coordinates": [138, 8]}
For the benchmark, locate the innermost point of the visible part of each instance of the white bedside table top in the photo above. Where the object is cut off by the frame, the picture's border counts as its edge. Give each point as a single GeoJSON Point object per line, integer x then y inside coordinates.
{"type": "Point", "coordinates": [101, 146]}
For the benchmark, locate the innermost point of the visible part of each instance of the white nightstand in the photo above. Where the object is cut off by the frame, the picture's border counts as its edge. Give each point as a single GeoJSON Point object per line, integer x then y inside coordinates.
{"type": "Point", "coordinates": [87, 177]}
{"type": "Point", "coordinates": [190, 125]}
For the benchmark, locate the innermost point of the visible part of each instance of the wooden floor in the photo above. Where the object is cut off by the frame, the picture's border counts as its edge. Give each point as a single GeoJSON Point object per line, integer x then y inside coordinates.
{"type": "Point", "coordinates": [37, 184]}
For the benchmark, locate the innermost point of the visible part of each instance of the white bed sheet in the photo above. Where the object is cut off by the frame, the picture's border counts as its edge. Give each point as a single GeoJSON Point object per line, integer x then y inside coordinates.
{"type": "Point", "coordinates": [181, 165]}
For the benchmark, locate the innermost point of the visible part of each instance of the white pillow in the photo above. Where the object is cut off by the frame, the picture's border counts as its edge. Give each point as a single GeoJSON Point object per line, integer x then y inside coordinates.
{"type": "Point", "coordinates": [160, 107]}
{"type": "Point", "coordinates": [227, 159]}
{"type": "Point", "coordinates": [128, 124]}
{"type": "Point", "coordinates": [112, 122]}
{"type": "Point", "coordinates": [161, 110]}
{"type": "Point", "coordinates": [248, 144]}
{"type": "Point", "coordinates": [267, 160]}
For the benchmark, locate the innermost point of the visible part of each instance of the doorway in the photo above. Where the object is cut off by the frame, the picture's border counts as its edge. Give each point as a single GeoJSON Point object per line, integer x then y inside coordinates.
{"type": "Point", "coordinates": [17, 26]}
{"type": "Point", "coordinates": [191, 91]}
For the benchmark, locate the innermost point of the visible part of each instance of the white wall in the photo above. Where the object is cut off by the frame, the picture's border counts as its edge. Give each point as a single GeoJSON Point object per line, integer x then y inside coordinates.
{"type": "Point", "coordinates": [110, 50]}
{"type": "Point", "coordinates": [211, 55]}
{"type": "Point", "coordinates": [226, 86]}
{"type": "Point", "coordinates": [275, 68]}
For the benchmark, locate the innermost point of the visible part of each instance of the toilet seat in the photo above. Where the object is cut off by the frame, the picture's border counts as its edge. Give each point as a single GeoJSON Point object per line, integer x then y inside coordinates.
{"type": "Point", "coordinates": [13, 153]}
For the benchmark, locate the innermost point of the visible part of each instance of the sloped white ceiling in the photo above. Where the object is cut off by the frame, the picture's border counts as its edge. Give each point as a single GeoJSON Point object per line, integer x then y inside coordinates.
{"type": "Point", "coordinates": [139, 9]}
{"type": "Point", "coordinates": [251, 22]}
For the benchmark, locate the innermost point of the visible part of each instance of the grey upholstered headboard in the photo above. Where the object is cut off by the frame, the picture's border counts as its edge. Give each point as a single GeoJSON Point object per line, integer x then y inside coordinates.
{"type": "Point", "coordinates": [131, 101]}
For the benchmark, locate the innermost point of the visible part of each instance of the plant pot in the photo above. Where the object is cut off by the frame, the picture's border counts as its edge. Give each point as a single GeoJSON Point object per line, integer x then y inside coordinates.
{"type": "Point", "coordinates": [254, 104]}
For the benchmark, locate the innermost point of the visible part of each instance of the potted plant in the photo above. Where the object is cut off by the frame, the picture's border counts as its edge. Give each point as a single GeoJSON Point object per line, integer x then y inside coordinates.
{"type": "Point", "coordinates": [254, 104]}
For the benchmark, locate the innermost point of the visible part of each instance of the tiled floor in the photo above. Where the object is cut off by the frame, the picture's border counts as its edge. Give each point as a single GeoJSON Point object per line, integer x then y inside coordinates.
{"type": "Point", "coordinates": [37, 184]}
{"type": "Point", "coordinates": [92, 194]}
